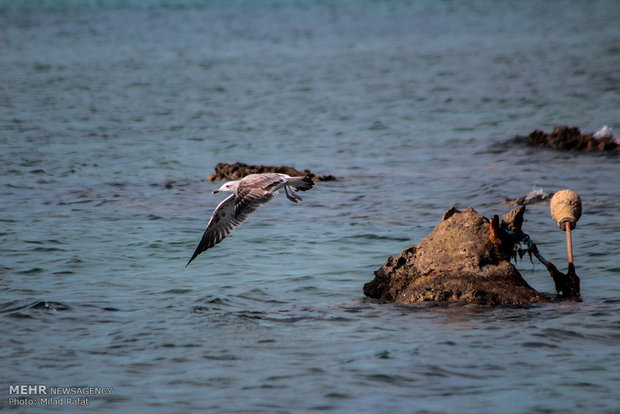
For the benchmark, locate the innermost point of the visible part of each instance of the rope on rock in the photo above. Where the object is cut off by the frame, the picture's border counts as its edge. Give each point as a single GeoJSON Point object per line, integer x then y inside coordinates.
{"type": "Point", "coordinates": [523, 238]}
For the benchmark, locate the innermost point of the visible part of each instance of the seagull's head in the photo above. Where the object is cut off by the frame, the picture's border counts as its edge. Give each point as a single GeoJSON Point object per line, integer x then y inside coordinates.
{"type": "Point", "coordinates": [229, 186]}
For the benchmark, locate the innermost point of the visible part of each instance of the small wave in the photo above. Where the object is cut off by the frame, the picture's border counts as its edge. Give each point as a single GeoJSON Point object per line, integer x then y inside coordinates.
{"type": "Point", "coordinates": [558, 334]}
{"type": "Point", "coordinates": [19, 187]}
{"type": "Point", "coordinates": [69, 203]}
{"type": "Point", "coordinates": [200, 309]}
{"type": "Point", "coordinates": [46, 249]}
{"type": "Point", "coordinates": [371, 236]}
{"type": "Point", "coordinates": [31, 271]}
{"type": "Point", "coordinates": [378, 126]}
{"type": "Point", "coordinates": [499, 147]}
{"type": "Point", "coordinates": [50, 241]}
{"type": "Point", "coordinates": [213, 300]}
{"type": "Point", "coordinates": [533, 344]}
{"type": "Point", "coordinates": [177, 291]}
{"type": "Point", "coordinates": [17, 306]}
{"type": "Point", "coordinates": [210, 304]}
{"type": "Point", "coordinates": [391, 379]}
{"type": "Point", "coordinates": [220, 357]}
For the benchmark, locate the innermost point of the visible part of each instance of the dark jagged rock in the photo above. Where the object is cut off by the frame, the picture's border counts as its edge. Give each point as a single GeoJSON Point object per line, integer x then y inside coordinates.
{"type": "Point", "coordinates": [239, 170]}
{"type": "Point", "coordinates": [465, 259]}
{"type": "Point", "coordinates": [571, 139]}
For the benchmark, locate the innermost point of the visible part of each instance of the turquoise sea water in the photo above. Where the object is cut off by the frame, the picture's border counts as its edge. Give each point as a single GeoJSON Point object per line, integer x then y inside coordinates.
{"type": "Point", "coordinates": [112, 113]}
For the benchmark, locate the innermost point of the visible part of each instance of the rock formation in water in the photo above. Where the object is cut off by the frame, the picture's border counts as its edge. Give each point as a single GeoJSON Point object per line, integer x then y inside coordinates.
{"type": "Point", "coordinates": [239, 170]}
{"type": "Point", "coordinates": [571, 139]}
{"type": "Point", "coordinates": [465, 259]}
{"type": "Point", "coordinates": [534, 197]}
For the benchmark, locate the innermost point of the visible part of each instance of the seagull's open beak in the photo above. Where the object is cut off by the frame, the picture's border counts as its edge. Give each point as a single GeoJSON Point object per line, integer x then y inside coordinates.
{"type": "Point", "coordinates": [215, 191]}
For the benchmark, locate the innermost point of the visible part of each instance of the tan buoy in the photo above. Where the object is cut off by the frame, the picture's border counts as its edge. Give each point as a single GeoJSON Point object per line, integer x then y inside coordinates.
{"type": "Point", "coordinates": [565, 210]}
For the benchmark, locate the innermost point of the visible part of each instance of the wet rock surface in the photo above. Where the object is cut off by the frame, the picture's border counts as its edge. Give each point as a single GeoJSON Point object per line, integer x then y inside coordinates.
{"type": "Point", "coordinates": [465, 259]}
{"type": "Point", "coordinates": [571, 139]}
{"type": "Point", "coordinates": [534, 197]}
{"type": "Point", "coordinates": [239, 170]}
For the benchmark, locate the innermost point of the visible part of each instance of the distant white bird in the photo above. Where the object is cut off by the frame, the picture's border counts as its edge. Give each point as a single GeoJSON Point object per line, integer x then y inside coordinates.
{"type": "Point", "coordinates": [249, 193]}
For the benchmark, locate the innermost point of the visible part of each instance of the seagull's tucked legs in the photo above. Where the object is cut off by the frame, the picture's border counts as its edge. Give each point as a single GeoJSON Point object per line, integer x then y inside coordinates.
{"type": "Point", "coordinates": [291, 196]}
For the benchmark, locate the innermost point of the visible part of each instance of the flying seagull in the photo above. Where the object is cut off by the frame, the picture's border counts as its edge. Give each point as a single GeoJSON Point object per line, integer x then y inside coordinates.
{"type": "Point", "coordinates": [248, 194]}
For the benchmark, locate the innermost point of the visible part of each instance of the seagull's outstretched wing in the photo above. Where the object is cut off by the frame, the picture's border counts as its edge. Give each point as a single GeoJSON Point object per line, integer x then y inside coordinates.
{"type": "Point", "coordinates": [224, 220]}
{"type": "Point", "coordinates": [220, 225]}
{"type": "Point", "coordinates": [256, 189]}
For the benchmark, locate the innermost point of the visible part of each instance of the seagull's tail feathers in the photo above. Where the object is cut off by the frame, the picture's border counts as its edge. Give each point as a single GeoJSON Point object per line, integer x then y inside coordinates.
{"type": "Point", "coordinates": [301, 183]}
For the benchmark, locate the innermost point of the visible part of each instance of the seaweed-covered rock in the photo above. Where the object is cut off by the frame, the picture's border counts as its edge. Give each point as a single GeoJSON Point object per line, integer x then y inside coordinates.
{"type": "Point", "coordinates": [239, 170]}
{"type": "Point", "coordinates": [465, 259]}
{"type": "Point", "coordinates": [571, 139]}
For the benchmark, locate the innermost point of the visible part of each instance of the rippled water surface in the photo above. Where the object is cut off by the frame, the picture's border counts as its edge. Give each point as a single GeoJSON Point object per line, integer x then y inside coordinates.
{"type": "Point", "coordinates": [112, 113]}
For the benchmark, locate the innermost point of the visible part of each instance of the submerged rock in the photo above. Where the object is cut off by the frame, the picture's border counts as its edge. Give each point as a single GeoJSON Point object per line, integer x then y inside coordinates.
{"type": "Point", "coordinates": [533, 197]}
{"type": "Point", "coordinates": [465, 259]}
{"type": "Point", "coordinates": [239, 170]}
{"type": "Point", "coordinates": [571, 139]}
